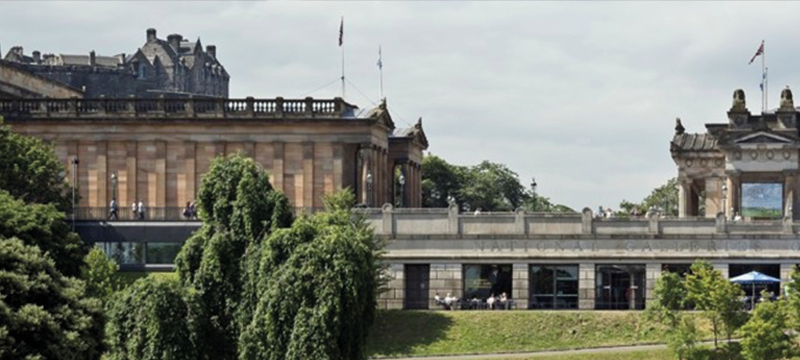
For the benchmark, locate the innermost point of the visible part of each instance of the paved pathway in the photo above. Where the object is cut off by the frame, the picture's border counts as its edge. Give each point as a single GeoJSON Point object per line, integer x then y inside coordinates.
{"type": "Point", "coordinates": [523, 355]}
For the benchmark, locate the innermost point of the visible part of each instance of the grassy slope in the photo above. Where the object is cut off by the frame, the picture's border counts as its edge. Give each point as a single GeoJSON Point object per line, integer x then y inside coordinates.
{"type": "Point", "coordinates": [418, 333]}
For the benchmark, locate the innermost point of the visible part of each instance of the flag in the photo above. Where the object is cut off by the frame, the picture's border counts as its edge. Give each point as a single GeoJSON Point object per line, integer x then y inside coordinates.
{"type": "Point", "coordinates": [380, 60]}
{"type": "Point", "coordinates": [341, 32]}
{"type": "Point", "coordinates": [760, 51]}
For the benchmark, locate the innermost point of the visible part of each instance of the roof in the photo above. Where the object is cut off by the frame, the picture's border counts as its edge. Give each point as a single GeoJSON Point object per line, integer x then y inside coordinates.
{"type": "Point", "coordinates": [105, 61]}
{"type": "Point", "coordinates": [694, 142]}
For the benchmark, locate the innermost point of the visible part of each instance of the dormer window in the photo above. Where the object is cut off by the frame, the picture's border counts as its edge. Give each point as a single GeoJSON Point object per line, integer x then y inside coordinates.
{"type": "Point", "coordinates": [142, 71]}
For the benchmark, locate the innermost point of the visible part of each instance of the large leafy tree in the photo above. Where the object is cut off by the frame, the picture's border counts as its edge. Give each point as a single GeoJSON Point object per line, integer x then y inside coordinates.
{"type": "Point", "coordinates": [43, 314]}
{"type": "Point", "coordinates": [319, 281]}
{"type": "Point", "coordinates": [239, 208]}
{"type": "Point", "coordinates": [44, 226]}
{"type": "Point", "coordinates": [717, 297]}
{"type": "Point", "coordinates": [153, 319]}
{"type": "Point", "coordinates": [663, 198]}
{"type": "Point", "coordinates": [487, 186]}
{"type": "Point", "coordinates": [30, 171]}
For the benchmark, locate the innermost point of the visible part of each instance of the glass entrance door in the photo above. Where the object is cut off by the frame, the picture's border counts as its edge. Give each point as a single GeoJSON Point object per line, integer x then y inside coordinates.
{"type": "Point", "coordinates": [620, 287]}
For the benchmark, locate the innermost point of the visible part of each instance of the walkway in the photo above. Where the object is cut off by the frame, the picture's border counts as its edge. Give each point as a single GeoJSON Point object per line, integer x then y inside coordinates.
{"type": "Point", "coordinates": [533, 354]}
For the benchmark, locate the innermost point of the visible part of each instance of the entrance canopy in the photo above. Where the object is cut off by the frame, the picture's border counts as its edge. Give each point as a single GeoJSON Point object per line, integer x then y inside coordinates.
{"type": "Point", "coordinates": [754, 277]}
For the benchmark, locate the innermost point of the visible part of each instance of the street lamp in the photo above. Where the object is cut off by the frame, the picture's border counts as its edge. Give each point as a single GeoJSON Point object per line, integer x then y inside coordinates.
{"type": "Point", "coordinates": [533, 187]}
{"type": "Point", "coordinates": [369, 188]}
{"type": "Point", "coordinates": [402, 181]}
{"type": "Point", "coordinates": [114, 185]}
{"type": "Point", "coordinates": [74, 185]}
{"type": "Point", "coordinates": [724, 198]}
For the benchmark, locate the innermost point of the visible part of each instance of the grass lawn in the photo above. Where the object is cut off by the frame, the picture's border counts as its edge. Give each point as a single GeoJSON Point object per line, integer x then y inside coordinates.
{"type": "Point", "coordinates": [660, 354]}
{"type": "Point", "coordinates": [423, 333]}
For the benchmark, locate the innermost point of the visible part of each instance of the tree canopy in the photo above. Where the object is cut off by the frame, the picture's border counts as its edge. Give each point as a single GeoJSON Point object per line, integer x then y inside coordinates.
{"type": "Point", "coordinates": [43, 314]}
{"type": "Point", "coordinates": [30, 171]}
{"type": "Point", "coordinates": [318, 284]}
{"type": "Point", "coordinates": [664, 198]}
{"type": "Point", "coordinates": [487, 186]}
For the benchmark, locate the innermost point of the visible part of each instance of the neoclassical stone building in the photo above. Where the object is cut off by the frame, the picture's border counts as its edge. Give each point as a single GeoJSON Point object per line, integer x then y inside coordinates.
{"type": "Point", "coordinates": [747, 167]}
{"type": "Point", "coordinates": [157, 150]}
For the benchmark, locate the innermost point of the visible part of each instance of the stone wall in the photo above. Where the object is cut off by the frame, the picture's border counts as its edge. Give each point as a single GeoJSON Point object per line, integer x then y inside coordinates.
{"type": "Point", "coordinates": [446, 278]}
{"type": "Point", "coordinates": [394, 295]}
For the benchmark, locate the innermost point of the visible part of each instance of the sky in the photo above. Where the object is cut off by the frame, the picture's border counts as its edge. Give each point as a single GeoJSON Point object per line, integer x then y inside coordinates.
{"type": "Point", "coordinates": [582, 96]}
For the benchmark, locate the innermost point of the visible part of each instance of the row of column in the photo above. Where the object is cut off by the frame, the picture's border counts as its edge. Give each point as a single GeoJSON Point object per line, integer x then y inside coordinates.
{"type": "Point", "coordinates": [447, 278]}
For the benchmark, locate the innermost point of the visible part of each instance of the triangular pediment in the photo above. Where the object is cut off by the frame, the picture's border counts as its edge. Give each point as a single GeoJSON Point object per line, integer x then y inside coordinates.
{"type": "Point", "coordinates": [763, 137]}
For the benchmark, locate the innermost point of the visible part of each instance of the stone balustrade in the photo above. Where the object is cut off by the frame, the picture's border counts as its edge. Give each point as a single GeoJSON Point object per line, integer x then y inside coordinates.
{"type": "Point", "coordinates": [450, 223]}
{"type": "Point", "coordinates": [169, 108]}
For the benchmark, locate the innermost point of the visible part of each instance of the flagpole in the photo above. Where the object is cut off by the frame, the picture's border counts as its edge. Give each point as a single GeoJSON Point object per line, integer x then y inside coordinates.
{"type": "Point", "coordinates": [763, 78]}
{"type": "Point", "coordinates": [341, 44]}
{"type": "Point", "coordinates": [380, 69]}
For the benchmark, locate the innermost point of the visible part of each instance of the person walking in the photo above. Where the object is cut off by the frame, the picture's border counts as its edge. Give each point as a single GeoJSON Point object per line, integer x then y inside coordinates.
{"type": "Point", "coordinates": [140, 210]}
{"type": "Point", "coordinates": [112, 210]}
{"type": "Point", "coordinates": [134, 210]}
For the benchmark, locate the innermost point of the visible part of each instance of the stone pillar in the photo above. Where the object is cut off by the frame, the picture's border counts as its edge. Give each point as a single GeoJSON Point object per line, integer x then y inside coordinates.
{"type": "Point", "coordinates": [652, 273]}
{"type": "Point", "coordinates": [586, 286]}
{"type": "Point", "coordinates": [684, 198]}
{"type": "Point", "coordinates": [520, 286]}
{"type": "Point", "coordinates": [308, 175]}
{"type": "Point", "coordinates": [786, 272]}
{"type": "Point", "coordinates": [723, 268]}
{"type": "Point", "coordinates": [789, 190]}
{"type": "Point", "coordinates": [734, 194]}
{"type": "Point", "coordinates": [445, 279]}
{"type": "Point", "coordinates": [394, 295]}
{"type": "Point", "coordinates": [713, 197]}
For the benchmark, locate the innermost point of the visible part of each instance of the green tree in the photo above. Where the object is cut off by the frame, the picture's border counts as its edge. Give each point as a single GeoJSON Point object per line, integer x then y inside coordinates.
{"type": "Point", "coordinates": [43, 225]}
{"type": "Point", "coordinates": [700, 284]}
{"type": "Point", "coordinates": [30, 171]}
{"type": "Point", "coordinates": [43, 314]}
{"type": "Point", "coordinates": [763, 336]}
{"type": "Point", "coordinates": [239, 208]}
{"type": "Point", "coordinates": [487, 186]}
{"type": "Point", "coordinates": [664, 197]}
{"type": "Point", "coordinates": [98, 272]}
{"type": "Point", "coordinates": [669, 297]}
{"type": "Point", "coordinates": [682, 338]}
{"type": "Point", "coordinates": [793, 297]}
{"type": "Point", "coordinates": [319, 282]}
{"type": "Point", "coordinates": [153, 320]}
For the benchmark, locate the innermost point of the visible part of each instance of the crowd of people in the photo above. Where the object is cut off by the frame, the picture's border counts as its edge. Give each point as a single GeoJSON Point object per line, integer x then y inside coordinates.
{"type": "Point", "coordinates": [138, 210]}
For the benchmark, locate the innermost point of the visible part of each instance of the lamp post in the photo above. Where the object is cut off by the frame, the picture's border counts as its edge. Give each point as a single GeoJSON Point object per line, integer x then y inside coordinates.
{"type": "Point", "coordinates": [533, 187]}
{"type": "Point", "coordinates": [402, 181]}
{"type": "Point", "coordinates": [369, 188]}
{"type": "Point", "coordinates": [114, 185]}
{"type": "Point", "coordinates": [74, 185]}
{"type": "Point", "coordinates": [725, 199]}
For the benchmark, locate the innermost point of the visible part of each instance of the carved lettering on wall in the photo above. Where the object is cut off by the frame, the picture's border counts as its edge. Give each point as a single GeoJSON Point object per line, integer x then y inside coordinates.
{"type": "Point", "coordinates": [635, 246]}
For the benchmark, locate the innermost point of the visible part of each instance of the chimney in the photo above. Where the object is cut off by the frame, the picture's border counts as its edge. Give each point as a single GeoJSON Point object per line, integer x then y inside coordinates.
{"type": "Point", "coordinates": [151, 35]}
{"type": "Point", "coordinates": [37, 56]}
{"type": "Point", "coordinates": [92, 59]}
{"type": "Point", "coordinates": [17, 50]}
{"type": "Point", "coordinates": [211, 50]}
{"type": "Point", "coordinates": [175, 41]}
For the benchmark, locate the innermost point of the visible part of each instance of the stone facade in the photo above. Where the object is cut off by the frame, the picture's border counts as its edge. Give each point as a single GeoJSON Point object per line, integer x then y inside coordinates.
{"type": "Point", "coordinates": [172, 67]}
{"type": "Point", "coordinates": [158, 150]}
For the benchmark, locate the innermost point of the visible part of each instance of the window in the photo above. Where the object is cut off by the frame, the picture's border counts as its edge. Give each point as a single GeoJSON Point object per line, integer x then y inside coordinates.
{"type": "Point", "coordinates": [620, 287]}
{"type": "Point", "coordinates": [123, 252]}
{"type": "Point", "coordinates": [482, 281]}
{"type": "Point", "coordinates": [162, 253]}
{"type": "Point", "coordinates": [554, 287]}
{"type": "Point", "coordinates": [142, 71]}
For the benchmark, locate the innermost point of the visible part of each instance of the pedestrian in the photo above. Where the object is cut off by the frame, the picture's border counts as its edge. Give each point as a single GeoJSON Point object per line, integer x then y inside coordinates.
{"type": "Point", "coordinates": [134, 210]}
{"type": "Point", "coordinates": [187, 211]}
{"type": "Point", "coordinates": [112, 209]}
{"type": "Point", "coordinates": [193, 210]}
{"type": "Point", "coordinates": [140, 210]}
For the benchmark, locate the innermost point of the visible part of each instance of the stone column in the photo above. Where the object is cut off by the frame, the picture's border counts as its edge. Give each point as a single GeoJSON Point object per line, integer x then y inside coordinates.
{"type": "Point", "coordinates": [723, 268]}
{"type": "Point", "coordinates": [652, 273]}
{"type": "Point", "coordinates": [713, 197]}
{"type": "Point", "coordinates": [684, 198]}
{"type": "Point", "coordinates": [586, 286]}
{"type": "Point", "coordinates": [789, 190]}
{"type": "Point", "coordinates": [786, 272]}
{"type": "Point", "coordinates": [394, 296]}
{"type": "Point", "coordinates": [734, 194]}
{"type": "Point", "coordinates": [520, 286]}
{"type": "Point", "coordinates": [445, 279]}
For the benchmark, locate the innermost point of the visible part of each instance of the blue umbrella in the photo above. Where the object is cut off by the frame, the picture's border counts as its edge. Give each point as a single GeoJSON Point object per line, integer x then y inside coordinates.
{"type": "Point", "coordinates": [753, 278]}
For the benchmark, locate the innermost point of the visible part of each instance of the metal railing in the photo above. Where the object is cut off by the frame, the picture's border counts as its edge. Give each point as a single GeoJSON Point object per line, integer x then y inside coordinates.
{"type": "Point", "coordinates": [127, 214]}
{"type": "Point", "coordinates": [184, 107]}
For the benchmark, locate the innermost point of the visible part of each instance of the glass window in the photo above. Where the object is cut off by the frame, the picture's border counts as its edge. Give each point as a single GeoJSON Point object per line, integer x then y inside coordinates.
{"type": "Point", "coordinates": [762, 200]}
{"type": "Point", "coordinates": [482, 281]}
{"type": "Point", "coordinates": [162, 253]}
{"type": "Point", "coordinates": [554, 287]}
{"type": "Point", "coordinates": [123, 252]}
